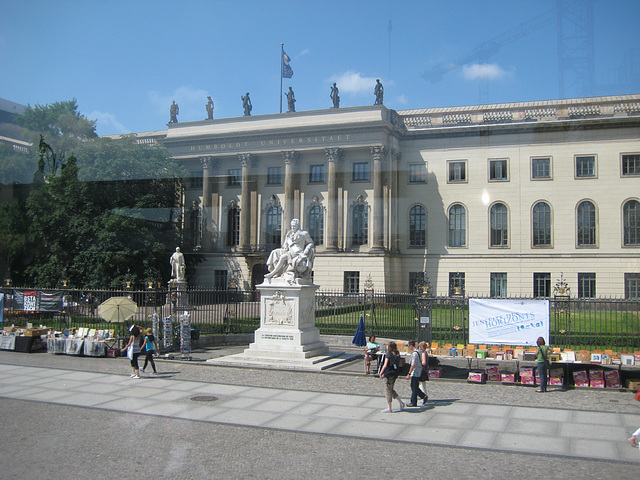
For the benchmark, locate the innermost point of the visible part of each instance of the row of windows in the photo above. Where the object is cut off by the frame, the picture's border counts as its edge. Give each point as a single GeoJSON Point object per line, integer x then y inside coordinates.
{"type": "Point", "coordinates": [541, 222]}
{"type": "Point", "coordinates": [541, 287]}
{"type": "Point", "coordinates": [498, 170]}
{"type": "Point", "coordinates": [541, 168]}
{"type": "Point", "coordinates": [541, 225]}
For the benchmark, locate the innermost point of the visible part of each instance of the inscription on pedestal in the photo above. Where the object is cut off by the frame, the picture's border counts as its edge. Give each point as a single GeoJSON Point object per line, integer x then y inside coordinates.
{"type": "Point", "coordinates": [273, 336]}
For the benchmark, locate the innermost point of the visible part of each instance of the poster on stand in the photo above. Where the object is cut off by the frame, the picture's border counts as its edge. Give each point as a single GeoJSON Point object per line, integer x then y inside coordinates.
{"type": "Point", "coordinates": [508, 322]}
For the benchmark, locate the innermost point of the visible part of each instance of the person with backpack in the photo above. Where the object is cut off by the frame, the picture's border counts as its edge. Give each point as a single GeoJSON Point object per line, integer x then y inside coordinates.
{"type": "Point", "coordinates": [415, 372]}
{"type": "Point", "coordinates": [149, 349]}
{"type": "Point", "coordinates": [389, 372]}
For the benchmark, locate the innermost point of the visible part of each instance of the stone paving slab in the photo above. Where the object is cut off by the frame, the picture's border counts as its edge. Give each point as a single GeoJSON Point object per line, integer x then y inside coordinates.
{"type": "Point", "coordinates": [446, 421]}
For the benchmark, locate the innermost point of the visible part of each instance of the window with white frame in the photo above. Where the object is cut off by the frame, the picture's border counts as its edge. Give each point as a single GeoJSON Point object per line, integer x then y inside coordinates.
{"type": "Point", "coordinates": [541, 168]}
{"type": "Point", "coordinates": [457, 171]}
{"type": "Point", "coordinates": [586, 224]}
{"type": "Point", "coordinates": [585, 166]}
{"type": "Point", "coordinates": [498, 169]}
{"type": "Point", "coordinates": [499, 225]}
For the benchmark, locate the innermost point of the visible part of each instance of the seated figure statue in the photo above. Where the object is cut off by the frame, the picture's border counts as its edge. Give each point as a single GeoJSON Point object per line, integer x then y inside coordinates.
{"type": "Point", "coordinates": [295, 258]}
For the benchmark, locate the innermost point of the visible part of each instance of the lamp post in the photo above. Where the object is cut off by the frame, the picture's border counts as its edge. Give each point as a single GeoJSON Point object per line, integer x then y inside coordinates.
{"type": "Point", "coordinates": [423, 305]}
{"type": "Point", "coordinates": [368, 298]}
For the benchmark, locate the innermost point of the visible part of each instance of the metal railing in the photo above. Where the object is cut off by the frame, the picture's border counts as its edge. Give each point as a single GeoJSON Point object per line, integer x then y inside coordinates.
{"type": "Point", "coordinates": [575, 323]}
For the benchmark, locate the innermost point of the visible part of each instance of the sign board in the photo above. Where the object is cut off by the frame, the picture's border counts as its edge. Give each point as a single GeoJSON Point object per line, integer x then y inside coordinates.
{"type": "Point", "coordinates": [508, 322]}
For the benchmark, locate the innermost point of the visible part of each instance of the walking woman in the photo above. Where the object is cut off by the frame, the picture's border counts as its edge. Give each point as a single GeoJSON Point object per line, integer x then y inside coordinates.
{"type": "Point", "coordinates": [543, 362]}
{"type": "Point", "coordinates": [424, 377]}
{"type": "Point", "coordinates": [149, 349]}
{"type": "Point", "coordinates": [389, 372]}
{"type": "Point", "coordinates": [133, 350]}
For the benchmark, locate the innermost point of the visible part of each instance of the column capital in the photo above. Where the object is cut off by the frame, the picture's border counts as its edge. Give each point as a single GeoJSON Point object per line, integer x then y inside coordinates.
{"type": "Point", "coordinates": [247, 159]}
{"type": "Point", "coordinates": [333, 154]}
{"type": "Point", "coordinates": [378, 152]}
{"type": "Point", "coordinates": [290, 156]}
{"type": "Point", "coordinates": [209, 161]}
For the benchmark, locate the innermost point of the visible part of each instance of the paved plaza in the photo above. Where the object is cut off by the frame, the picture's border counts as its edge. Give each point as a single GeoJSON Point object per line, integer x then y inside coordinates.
{"type": "Point", "coordinates": [199, 421]}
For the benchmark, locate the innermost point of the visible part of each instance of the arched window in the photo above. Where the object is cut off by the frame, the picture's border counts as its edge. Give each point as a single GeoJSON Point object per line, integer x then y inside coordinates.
{"type": "Point", "coordinates": [499, 225]}
{"type": "Point", "coordinates": [541, 225]}
{"type": "Point", "coordinates": [233, 225]}
{"type": "Point", "coordinates": [586, 224]}
{"type": "Point", "coordinates": [631, 221]}
{"type": "Point", "coordinates": [360, 225]}
{"type": "Point", "coordinates": [457, 226]}
{"type": "Point", "coordinates": [274, 225]}
{"type": "Point", "coordinates": [316, 224]}
{"type": "Point", "coordinates": [417, 226]}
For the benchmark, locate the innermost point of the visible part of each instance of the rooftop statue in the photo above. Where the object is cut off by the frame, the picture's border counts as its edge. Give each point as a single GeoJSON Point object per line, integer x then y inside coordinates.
{"type": "Point", "coordinates": [174, 110]}
{"type": "Point", "coordinates": [291, 100]}
{"type": "Point", "coordinates": [334, 96]}
{"type": "Point", "coordinates": [246, 104]}
{"type": "Point", "coordinates": [378, 91]}
{"type": "Point", "coordinates": [209, 109]}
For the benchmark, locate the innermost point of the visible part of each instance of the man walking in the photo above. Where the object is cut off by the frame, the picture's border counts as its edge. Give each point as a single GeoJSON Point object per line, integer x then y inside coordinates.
{"type": "Point", "coordinates": [415, 370]}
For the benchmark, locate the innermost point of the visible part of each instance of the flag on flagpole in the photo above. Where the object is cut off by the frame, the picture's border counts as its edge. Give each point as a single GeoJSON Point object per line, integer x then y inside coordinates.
{"type": "Point", "coordinates": [287, 71]}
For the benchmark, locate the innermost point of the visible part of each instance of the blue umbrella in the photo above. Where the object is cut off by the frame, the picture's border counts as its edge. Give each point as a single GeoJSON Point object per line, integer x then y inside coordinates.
{"type": "Point", "coordinates": [360, 338]}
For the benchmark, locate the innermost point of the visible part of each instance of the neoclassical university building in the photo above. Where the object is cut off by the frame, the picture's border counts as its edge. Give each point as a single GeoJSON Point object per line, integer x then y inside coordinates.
{"type": "Point", "coordinates": [493, 200]}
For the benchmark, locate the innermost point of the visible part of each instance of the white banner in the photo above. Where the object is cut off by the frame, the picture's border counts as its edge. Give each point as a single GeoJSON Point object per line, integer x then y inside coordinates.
{"type": "Point", "coordinates": [508, 322]}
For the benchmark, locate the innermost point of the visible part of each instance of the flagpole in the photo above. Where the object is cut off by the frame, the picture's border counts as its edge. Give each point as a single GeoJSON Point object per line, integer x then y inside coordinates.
{"type": "Point", "coordinates": [281, 67]}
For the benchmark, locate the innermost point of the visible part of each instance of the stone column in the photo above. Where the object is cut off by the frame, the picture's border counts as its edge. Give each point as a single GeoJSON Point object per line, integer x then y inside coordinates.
{"type": "Point", "coordinates": [209, 163]}
{"type": "Point", "coordinates": [378, 153]}
{"type": "Point", "coordinates": [333, 156]}
{"type": "Point", "coordinates": [290, 160]}
{"type": "Point", "coordinates": [246, 159]}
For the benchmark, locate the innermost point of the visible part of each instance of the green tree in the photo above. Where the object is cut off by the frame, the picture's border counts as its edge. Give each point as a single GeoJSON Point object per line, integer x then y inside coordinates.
{"type": "Point", "coordinates": [106, 217]}
{"type": "Point", "coordinates": [56, 129]}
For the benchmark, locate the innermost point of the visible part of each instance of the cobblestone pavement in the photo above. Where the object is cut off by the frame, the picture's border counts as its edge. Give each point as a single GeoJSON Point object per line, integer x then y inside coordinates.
{"type": "Point", "coordinates": [469, 431]}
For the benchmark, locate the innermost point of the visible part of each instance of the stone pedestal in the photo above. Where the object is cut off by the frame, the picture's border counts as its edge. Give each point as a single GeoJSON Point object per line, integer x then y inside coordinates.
{"type": "Point", "coordinates": [287, 337]}
{"type": "Point", "coordinates": [287, 322]}
{"type": "Point", "coordinates": [180, 302]}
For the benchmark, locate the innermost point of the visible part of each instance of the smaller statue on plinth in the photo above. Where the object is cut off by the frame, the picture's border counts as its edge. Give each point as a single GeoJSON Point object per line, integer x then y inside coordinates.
{"type": "Point", "coordinates": [178, 266]}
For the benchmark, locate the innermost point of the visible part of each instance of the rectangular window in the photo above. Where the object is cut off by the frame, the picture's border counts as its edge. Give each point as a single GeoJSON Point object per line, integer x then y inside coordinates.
{"type": "Point", "coordinates": [630, 164]}
{"type": "Point", "coordinates": [220, 279]}
{"type": "Point", "coordinates": [274, 176]}
{"type": "Point", "coordinates": [361, 172]}
{"type": "Point", "coordinates": [417, 173]}
{"type": "Point", "coordinates": [498, 285]}
{"type": "Point", "coordinates": [456, 283]}
{"type": "Point", "coordinates": [234, 175]}
{"type": "Point", "coordinates": [632, 286]}
{"type": "Point", "coordinates": [316, 174]}
{"type": "Point", "coordinates": [586, 285]}
{"type": "Point", "coordinates": [498, 170]}
{"type": "Point", "coordinates": [457, 171]}
{"type": "Point", "coordinates": [541, 285]}
{"type": "Point", "coordinates": [351, 282]}
{"type": "Point", "coordinates": [585, 166]}
{"type": "Point", "coordinates": [195, 180]}
{"type": "Point", "coordinates": [541, 168]}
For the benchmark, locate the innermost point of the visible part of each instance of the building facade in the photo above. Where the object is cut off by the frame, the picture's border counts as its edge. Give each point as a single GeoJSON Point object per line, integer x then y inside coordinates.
{"type": "Point", "coordinates": [493, 200]}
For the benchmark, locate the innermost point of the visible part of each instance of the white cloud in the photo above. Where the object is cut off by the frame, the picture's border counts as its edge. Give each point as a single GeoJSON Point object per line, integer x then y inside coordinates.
{"type": "Point", "coordinates": [107, 124]}
{"type": "Point", "coordinates": [190, 100]}
{"type": "Point", "coordinates": [306, 51]}
{"type": "Point", "coordinates": [483, 71]}
{"type": "Point", "coordinates": [354, 83]}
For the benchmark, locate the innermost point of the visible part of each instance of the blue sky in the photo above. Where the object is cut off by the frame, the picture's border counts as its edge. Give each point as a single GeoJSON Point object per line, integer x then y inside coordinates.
{"type": "Point", "coordinates": [125, 61]}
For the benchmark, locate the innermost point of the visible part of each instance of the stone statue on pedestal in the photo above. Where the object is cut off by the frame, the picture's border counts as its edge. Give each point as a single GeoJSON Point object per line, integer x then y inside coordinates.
{"type": "Point", "coordinates": [334, 96]}
{"type": "Point", "coordinates": [378, 91]}
{"type": "Point", "coordinates": [291, 100]}
{"type": "Point", "coordinates": [178, 266]}
{"type": "Point", "coordinates": [295, 258]}
{"type": "Point", "coordinates": [246, 105]}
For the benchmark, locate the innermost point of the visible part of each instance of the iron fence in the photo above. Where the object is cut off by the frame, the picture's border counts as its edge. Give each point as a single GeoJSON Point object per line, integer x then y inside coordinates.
{"type": "Point", "coordinates": [575, 323]}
